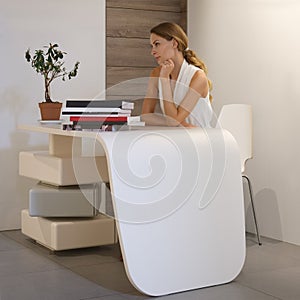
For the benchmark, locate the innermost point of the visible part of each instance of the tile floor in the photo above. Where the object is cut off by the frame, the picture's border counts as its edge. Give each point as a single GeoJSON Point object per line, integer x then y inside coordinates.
{"type": "Point", "coordinates": [30, 271]}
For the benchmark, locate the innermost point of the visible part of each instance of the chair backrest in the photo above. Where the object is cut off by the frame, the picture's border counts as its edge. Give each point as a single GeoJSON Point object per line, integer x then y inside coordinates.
{"type": "Point", "coordinates": [237, 119]}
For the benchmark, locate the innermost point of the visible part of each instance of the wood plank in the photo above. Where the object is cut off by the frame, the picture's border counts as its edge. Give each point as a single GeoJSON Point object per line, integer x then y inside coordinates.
{"type": "Point", "coordinates": [131, 23]}
{"type": "Point", "coordinates": [135, 87]}
{"type": "Point", "coordinates": [183, 5]}
{"type": "Point", "coordinates": [128, 52]}
{"type": "Point", "coordinates": [157, 5]}
{"type": "Point", "coordinates": [183, 19]}
{"type": "Point", "coordinates": [118, 74]}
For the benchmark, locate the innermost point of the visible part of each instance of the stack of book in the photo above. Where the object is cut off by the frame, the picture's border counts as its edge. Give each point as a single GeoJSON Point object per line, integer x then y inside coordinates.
{"type": "Point", "coordinates": [97, 114]}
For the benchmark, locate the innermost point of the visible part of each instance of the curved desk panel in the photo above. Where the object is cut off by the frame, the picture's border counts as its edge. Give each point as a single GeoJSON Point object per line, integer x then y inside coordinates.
{"type": "Point", "coordinates": [178, 203]}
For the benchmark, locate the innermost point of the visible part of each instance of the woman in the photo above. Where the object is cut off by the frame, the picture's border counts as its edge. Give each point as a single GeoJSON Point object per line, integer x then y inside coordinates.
{"type": "Point", "coordinates": [179, 82]}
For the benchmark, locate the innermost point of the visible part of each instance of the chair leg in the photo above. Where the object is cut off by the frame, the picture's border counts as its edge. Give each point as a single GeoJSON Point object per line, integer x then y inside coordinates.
{"type": "Point", "coordinates": [253, 208]}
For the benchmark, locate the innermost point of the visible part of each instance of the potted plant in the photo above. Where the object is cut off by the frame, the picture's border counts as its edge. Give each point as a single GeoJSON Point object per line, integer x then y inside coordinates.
{"type": "Point", "coordinates": [49, 63]}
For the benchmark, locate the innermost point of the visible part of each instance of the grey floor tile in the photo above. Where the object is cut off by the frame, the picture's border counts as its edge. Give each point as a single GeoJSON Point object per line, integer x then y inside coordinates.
{"type": "Point", "coordinates": [87, 256]}
{"type": "Point", "coordinates": [283, 283]}
{"type": "Point", "coordinates": [252, 239]}
{"type": "Point", "coordinates": [20, 238]}
{"type": "Point", "coordinates": [30, 271]}
{"type": "Point", "coordinates": [69, 258]}
{"type": "Point", "coordinates": [7, 244]}
{"type": "Point", "coordinates": [109, 297]}
{"type": "Point", "coordinates": [24, 261]}
{"type": "Point", "coordinates": [265, 258]}
{"type": "Point", "coordinates": [109, 275]}
{"type": "Point", "coordinates": [51, 285]}
{"type": "Point", "coordinates": [231, 291]}
{"type": "Point", "coordinates": [286, 249]}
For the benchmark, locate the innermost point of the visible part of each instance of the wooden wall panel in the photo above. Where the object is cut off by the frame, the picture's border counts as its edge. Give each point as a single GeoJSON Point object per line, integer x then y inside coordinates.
{"type": "Point", "coordinates": [127, 42]}
{"type": "Point", "coordinates": [162, 5]}
{"type": "Point", "coordinates": [128, 52]}
{"type": "Point", "coordinates": [120, 74]}
{"type": "Point", "coordinates": [132, 23]}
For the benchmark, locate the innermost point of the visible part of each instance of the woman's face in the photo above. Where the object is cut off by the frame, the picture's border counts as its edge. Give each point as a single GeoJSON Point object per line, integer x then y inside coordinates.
{"type": "Point", "coordinates": [162, 49]}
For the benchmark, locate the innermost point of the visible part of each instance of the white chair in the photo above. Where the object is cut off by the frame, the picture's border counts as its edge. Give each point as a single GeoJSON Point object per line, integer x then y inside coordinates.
{"type": "Point", "coordinates": [237, 119]}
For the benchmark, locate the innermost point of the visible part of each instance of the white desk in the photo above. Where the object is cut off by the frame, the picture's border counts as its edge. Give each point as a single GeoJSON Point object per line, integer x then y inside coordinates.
{"type": "Point", "coordinates": [178, 203]}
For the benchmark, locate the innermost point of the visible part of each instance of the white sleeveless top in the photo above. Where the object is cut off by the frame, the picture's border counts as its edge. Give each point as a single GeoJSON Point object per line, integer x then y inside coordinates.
{"type": "Point", "coordinates": [202, 113]}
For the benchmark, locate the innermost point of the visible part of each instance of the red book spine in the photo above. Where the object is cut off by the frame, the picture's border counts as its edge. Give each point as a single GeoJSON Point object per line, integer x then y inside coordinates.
{"type": "Point", "coordinates": [98, 119]}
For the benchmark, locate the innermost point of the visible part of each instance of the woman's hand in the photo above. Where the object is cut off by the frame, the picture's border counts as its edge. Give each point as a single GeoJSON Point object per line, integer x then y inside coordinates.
{"type": "Point", "coordinates": [188, 125]}
{"type": "Point", "coordinates": [166, 68]}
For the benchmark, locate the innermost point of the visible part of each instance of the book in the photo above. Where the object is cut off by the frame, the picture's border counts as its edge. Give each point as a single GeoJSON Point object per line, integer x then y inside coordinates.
{"type": "Point", "coordinates": [98, 119]}
{"type": "Point", "coordinates": [95, 110]}
{"type": "Point", "coordinates": [100, 103]}
{"type": "Point", "coordinates": [135, 121]}
{"type": "Point", "coordinates": [96, 125]}
{"type": "Point", "coordinates": [100, 115]}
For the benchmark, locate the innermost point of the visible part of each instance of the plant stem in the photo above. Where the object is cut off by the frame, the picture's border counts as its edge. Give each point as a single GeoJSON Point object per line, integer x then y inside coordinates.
{"type": "Point", "coordinates": [47, 91]}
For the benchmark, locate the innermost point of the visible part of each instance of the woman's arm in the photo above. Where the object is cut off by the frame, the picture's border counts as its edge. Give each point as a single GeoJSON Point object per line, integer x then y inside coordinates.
{"type": "Point", "coordinates": [198, 88]}
{"type": "Point", "coordinates": [156, 119]}
{"type": "Point", "coordinates": [150, 101]}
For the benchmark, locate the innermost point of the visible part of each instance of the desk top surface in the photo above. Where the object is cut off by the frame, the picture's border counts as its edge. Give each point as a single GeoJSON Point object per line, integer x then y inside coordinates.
{"type": "Point", "coordinates": [56, 129]}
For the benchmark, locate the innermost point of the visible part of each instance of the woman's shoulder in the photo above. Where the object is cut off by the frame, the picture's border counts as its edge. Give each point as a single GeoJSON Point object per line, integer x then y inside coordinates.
{"type": "Point", "coordinates": [195, 73]}
{"type": "Point", "coordinates": [199, 75]}
{"type": "Point", "coordinates": [199, 82]}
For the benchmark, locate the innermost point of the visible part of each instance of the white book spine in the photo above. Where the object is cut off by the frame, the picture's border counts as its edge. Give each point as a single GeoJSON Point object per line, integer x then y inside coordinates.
{"type": "Point", "coordinates": [95, 109]}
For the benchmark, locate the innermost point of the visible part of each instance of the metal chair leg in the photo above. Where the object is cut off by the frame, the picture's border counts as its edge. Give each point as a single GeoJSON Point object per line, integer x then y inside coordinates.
{"type": "Point", "coordinates": [253, 208]}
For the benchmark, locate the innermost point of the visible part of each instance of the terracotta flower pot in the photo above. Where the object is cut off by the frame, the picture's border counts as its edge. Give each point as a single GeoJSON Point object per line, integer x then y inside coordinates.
{"type": "Point", "coordinates": [50, 110]}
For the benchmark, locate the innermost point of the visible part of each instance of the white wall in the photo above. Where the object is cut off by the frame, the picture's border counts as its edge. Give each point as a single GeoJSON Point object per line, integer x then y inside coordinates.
{"type": "Point", "coordinates": [78, 27]}
{"type": "Point", "coordinates": [252, 49]}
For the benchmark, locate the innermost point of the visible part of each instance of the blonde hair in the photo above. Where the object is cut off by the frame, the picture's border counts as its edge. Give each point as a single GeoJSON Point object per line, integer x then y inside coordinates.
{"type": "Point", "coordinates": [171, 31]}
